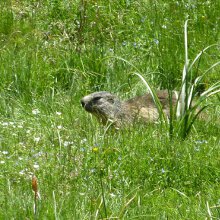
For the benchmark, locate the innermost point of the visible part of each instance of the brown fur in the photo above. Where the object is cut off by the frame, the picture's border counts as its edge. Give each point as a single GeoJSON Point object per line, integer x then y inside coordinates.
{"type": "Point", "coordinates": [108, 107]}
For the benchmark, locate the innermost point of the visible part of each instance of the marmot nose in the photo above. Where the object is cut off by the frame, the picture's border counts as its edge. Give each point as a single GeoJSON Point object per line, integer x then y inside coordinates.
{"type": "Point", "coordinates": [83, 103]}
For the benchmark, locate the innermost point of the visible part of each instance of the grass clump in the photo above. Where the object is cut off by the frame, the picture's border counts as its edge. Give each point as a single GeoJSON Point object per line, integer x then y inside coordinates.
{"type": "Point", "coordinates": [187, 110]}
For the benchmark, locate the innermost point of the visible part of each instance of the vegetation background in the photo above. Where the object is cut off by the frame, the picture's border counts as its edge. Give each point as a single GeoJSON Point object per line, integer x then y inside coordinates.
{"type": "Point", "coordinates": [54, 52]}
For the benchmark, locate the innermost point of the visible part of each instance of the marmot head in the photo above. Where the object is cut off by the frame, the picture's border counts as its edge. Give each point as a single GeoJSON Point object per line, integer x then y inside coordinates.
{"type": "Point", "coordinates": [103, 105]}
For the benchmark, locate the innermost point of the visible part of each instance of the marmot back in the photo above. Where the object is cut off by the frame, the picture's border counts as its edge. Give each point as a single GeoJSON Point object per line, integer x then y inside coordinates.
{"type": "Point", "coordinates": [108, 107]}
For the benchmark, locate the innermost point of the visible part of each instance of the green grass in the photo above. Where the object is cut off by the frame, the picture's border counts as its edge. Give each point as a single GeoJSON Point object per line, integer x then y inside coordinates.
{"type": "Point", "coordinates": [54, 52]}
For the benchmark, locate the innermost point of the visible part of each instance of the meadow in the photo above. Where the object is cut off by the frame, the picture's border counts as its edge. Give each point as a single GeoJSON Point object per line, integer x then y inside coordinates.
{"type": "Point", "coordinates": [52, 53]}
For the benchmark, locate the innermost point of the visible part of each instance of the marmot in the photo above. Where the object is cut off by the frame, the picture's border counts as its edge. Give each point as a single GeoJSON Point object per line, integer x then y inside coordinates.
{"type": "Point", "coordinates": [108, 107]}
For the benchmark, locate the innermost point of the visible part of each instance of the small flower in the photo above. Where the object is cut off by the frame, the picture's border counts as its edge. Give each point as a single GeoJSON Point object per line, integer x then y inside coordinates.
{"type": "Point", "coordinates": [2, 162]}
{"type": "Point", "coordinates": [22, 172]}
{"type": "Point", "coordinates": [162, 170]}
{"type": "Point", "coordinates": [58, 113]}
{"type": "Point", "coordinates": [95, 149]}
{"type": "Point", "coordinates": [197, 148]}
{"type": "Point", "coordinates": [201, 142]}
{"type": "Point", "coordinates": [112, 195]}
{"type": "Point", "coordinates": [93, 170]}
{"type": "Point", "coordinates": [124, 43]}
{"type": "Point", "coordinates": [83, 141]}
{"type": "Point", "coordinates": [5, 152]}
{"type": "Point", "coordinates": [59, 127]}
{"type": "Point", "coordinates": [39, 154]}
{"type": "Point", "coordinates": [156, 41]}
{"type": "Point", "coordinates": [5, 123]}
{"type": "Point", "coordinates": [35, 111]}
{"type": "Point", "coordinates": [67, 143]}
{"type": "Point", "coordinates": [36, 166]}
{"type": "Point", "coordinates": [143, 19]}
{"type": "Point", "coordinates": [164, 26]}
{"type": "Point", "coordinates": [37, 139]}
{"type": "Point", "coordinates": [22, 144]}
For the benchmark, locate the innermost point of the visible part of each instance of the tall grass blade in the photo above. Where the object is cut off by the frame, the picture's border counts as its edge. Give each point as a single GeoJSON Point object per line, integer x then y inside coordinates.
{"type": "Point", "coordinates": [182, 106]}
{"type": "Point", "coordinates": [155, 99]}
{"type": "Point", "coordinates": [200, 54]}
{"type": "Point", "coordinates": [198, 79]}
{"type": "Point", "coordinates": [193, 119]}
{"type": "Point", "coordinates": [55, 206]}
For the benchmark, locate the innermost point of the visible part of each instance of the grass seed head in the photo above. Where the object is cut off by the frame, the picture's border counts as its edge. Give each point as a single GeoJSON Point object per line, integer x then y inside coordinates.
{"type": "Point", "coordinates": [34, 184]}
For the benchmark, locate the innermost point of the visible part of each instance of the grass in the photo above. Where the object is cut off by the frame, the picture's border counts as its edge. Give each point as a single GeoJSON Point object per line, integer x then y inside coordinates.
{"type": "Point", "coordinates": [190, 101]}
{"type": "Point", "coordinates": [55, 52]}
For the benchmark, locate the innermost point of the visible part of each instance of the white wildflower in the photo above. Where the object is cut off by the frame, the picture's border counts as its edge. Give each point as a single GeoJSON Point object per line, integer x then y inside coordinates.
{"type": "Point", "coordinates": [36, 166]}
{"type": "Point", "coordinates": [67, 143]}
{"type": "Point", "coordinates": [37, 139]}
{"type": "Point", "coordinates": [58, 113]}
{"type": "Point", "coordinates": [5, 123]}
{"type": "Point", "coordinates": [83, 141]}
{"type": "Point", "coordinates": [39, 154]}
{"type": "Point", "coordinates": [4, 152]}
{"type": "Point", "coordinates": [22, 172]}
{"type": "Point", "coordinates": [59, 127]}
{"type": "Point", "coordinates": [35, 111]}
{"type": "Point", "coordinates": [112, 195]}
